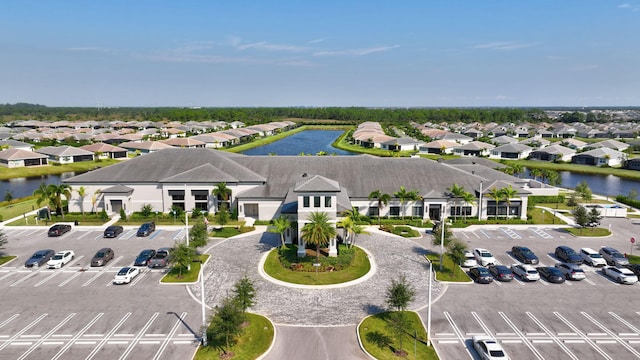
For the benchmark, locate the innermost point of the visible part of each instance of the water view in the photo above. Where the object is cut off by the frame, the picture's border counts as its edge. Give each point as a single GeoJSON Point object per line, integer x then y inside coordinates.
{"type": "Point", "coordinates": [308, 142]}
{"type": "Point", "coordinates": [22, 187]}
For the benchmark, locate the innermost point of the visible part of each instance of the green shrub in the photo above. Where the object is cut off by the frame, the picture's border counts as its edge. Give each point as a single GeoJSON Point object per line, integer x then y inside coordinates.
{"type": "Point", "coordinates": [103, 215]}
{"type": "Point", "coordinates": [628, 201]}
{"type": "Point", "coordinates": [123, 215]}
{"type": "Point", "coordinates": [146, 210]}
{"type": "Point", "coordinates": [534, 200]}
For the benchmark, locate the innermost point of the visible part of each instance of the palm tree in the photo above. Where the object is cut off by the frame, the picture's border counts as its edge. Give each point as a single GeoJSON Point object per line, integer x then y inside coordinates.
{"type": "Point", "coordinates": [280, 225]}
{"type": "Point", "coordinates": [42, 194]}
{"type": "Point", "coordinates": [94, 199]}
{"type": "Point", "coordinates": [535, 173]}
{"type": "Point", "coordinates": [318, 231]}
{"type": "Point", "coordinates": [508, 193]}
{"type": "Point", "coordinates": [382, 198]}
{"type": "Point", "coordinates": [222, 192]}
{"type": "Point", "coordinates": [347, 225]}
{"type": "Point", "coordinates": [455, 192]}
{"type": "Point", "coordinates": [57, 192]}
{"type": "Point", "coordinates": [496, 195]}
{"type": "Point", "coordinates": [355, 231]}
{"type": "Point", "coordinates": [82, 192]}
{"type": "Point", "coordinates": [467, 198]}
{"type": "Point", "coordinates": [405, 196]}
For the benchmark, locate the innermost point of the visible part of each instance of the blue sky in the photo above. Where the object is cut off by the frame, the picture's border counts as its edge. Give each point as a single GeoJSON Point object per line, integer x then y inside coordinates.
{"type": "Point", "coordinates": [320, 53]}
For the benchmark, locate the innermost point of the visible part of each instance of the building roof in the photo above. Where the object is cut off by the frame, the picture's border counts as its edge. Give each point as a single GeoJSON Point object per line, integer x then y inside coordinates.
{"type": "Point", "coordinates": [19, 154]}
{"type": "Point", "coordinates": [63, 151]}
{"type": "Point", "coordinates": [102, 147]}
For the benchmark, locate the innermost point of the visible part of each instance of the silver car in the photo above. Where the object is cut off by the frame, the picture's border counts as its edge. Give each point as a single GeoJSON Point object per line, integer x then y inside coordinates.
{"type": "Point", "coordinates": [525, 272]}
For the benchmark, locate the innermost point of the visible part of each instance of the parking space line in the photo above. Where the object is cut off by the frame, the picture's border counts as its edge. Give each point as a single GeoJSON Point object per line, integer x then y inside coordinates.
{"type": "Point", "coordinates": [482, 324]}
{"type": "Point", "coordinates": [46, 279]}
{"type": "Point", "coordinates": [69, 279]}
{"type": "Point", "coordinates": [46, 336]}
{"type": "Point", "coordinates": [520, 335]}
{"type": "Point", "coordinates": [139, 277]}
{"type": "Point", "coordinates": [24, 330]}
{"type": "Point", "coordinates": [552, 336]}
{"type": "Point", "coordinates": [23, 279]}
{"type": "Point", "coordinates": [485, 234]}
{"type": "Point", "coordinates": [165, 343]}
{"type": "Point", "coordinates": [625, 322]}
{"type": "Point", "coordinates": [4, 323]}
{"type": "Point", "coordinates": [510, 233]}
{"type": "Point", "coordinates": [137, 338]}
{"type": "Point", "coordinates": [179, 235]}
{"type": "Point", "coordinates": [612, 334]}
{"type": "Point", "coordinates": [108, 336]}
{"type": "Point", "coordinates": [155, 233]}
{"type": "Point", "coordinates": [85, 234]}
{"type": "Point", "coordinates": [455, 328]}
{"type": "Point", "coordinates": [93, 278]}
{"type": "Point", "coordinates": [7, 275]}
{"type": "Point", "coordinates": [586, 338]}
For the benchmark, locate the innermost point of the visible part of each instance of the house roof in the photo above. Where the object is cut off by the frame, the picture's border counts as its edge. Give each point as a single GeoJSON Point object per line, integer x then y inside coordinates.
{"type": "Point", "coordinates": [475, 145]}
{"type": "Point", "coordinates": [102, 147]}
{"type": "Point", "coordinates": [316, 183]}
{"type": "Point", "coordinates": [63, 151]}
{"type": "Point", "coordinates": [555, 149]}
{"type": "Point", "coordinates": [517, 148]}
{"type": "Point", "coordinates": [19, 154]}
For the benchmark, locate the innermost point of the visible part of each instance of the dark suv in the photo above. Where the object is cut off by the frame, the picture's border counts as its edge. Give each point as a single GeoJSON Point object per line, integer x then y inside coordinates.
{"type": "Point", "coordinates": [59, 229]}
{"type": "Point", "coordinates": [146, 229]}
{"type": "Point", "coordinates": [524, 255]}
{"type": "Point", "coordinates": [568, 255]}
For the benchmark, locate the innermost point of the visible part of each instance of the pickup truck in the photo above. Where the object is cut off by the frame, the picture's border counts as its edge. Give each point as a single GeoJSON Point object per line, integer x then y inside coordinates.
{"type": "Point", "coordinates": [161, 259]}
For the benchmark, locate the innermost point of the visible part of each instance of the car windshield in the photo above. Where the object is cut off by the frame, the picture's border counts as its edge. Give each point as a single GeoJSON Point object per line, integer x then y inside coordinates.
{"type": "Point", "coordinates": [57, 257]}
{"type": "Point", "coordinates": [596, 256]}
{"type": "Point", "coordinates": [498, 353]}
{"type": "Point", "coordinates": [100, 255]}
{"type": "Point", "coordinates": [145, 253]}
{"type": "Point", "coordinates": [617, 255]}
{"type": "Point", "coordinates": [570, 252]}
{"type": "Point", "coordinates": [483, 272]}
{"type": "Point", "coordinates": [123, 271]}
{"type": "Point", "coordinates": [38, 255]}
{"type": "Point", "coordinates": [532, 272]}
{"type": "Point", "coordinates": [486, 254]}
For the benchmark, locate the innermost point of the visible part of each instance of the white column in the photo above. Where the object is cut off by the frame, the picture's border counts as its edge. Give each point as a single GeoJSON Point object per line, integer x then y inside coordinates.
{"type": "Point", "coordinates": [333, 248]}
{"type": "Point", "coordinates": [301, 244]}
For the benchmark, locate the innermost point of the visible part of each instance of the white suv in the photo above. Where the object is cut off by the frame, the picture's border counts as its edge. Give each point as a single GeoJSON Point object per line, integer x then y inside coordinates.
{"type": "Point", "coordinates": [469, 259]}
{"type": "Point", "coordinates": [571, 271]}
{"type": "Point", "coordinates": [592, 257]}
{"type": "Point", "coordinates": [484, 257]}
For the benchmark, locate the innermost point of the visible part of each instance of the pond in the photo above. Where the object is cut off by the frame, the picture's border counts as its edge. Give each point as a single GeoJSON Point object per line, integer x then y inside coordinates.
{"type": "Point", "coordinates": [607, 185]}
{"type": "Point", "coordinates": [22, 187]}
{"type": "Point", "coordinates": [308, 142]}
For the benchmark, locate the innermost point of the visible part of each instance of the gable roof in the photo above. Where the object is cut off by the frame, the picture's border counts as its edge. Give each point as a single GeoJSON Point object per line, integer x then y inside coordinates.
{"type": "Point", "coordinates": [316, 183]}
{"type": "Point", "coordinates": [19, 154]}
{"type": "Point", "coordinates": [63, 151]}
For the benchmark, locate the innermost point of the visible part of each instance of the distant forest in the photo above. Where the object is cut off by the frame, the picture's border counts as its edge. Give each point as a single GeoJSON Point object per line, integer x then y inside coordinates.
{"type": "Point", "coordinates": [24, 111]}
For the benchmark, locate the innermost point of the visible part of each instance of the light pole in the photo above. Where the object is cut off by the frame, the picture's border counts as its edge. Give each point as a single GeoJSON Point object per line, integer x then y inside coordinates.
{"type": "Point", "coordinates": [429, 303]}
{"type": "Point", "coordinates": [186, 229]}
{"type": "Point", "coordinates": [480, 202]}
{"type": "Point", "coordinates": [441, 242]}
{"type": "Point", "coordinates": [204, 308]}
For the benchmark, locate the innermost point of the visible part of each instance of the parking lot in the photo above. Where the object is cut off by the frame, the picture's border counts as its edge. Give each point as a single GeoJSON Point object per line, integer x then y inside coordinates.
{"type": "Point", "coordinates": [594, 318]}
{"type": "Point", "coordinates": [77, 313]}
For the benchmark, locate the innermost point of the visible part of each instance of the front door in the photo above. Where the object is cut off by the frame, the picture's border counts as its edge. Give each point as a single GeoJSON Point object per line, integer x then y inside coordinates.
{"type": "Point", "coordinates": [434, 212]}
{"type": "Point", "coordinates": [116, 206]}
{"type": "Point", "coordinates": [251, 210]}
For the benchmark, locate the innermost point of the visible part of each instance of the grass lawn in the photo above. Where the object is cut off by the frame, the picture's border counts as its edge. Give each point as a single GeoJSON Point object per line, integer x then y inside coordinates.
{"type": "Point", "coordinates": [589, 232]}
{"type": "Point", "coordinates": [359, 267]}
{"type": "Point", "coordinates": [177, 275]}
{"type": "Point", "coordinates": [254, 341]}
{"type": "Point", "coordinates": [633, 259]}
{"type": "Point", "coordinates": [229, 231]}
{"type": "Point", "coordinates": [5, 259]}
{"type": "Point", "coordinates": [36, 171]}
{"type": "Point", "coordinates": [450, 271]}
{"type": "Point", "coordinates": [379, 341]}
{"type": "Point", "coordinates": [10, 211]}
{"type": "Point", "coordinates": [547, 217]}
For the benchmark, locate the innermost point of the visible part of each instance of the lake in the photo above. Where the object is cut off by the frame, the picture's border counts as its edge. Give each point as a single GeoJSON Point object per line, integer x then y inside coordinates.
{"type": "Point", "coordinates": [22, 187]}
{"type": "Point", "coordinates": [308, 142]}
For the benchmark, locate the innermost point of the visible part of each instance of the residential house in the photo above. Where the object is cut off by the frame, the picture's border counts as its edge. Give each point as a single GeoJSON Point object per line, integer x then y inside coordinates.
{"type": "Point", "coordinates": [474, 148]}
{"type": "Point", "coordinates": [66, 154]}
{"type": "Point", "coordinates": [554, 152]}
{"type": "Point", "coordinates": [13, 158]}
{"type": "Point", "coordinates": [511, 152]}
{"type": "Point", "coordinates": [106, 151]}
{"type": "Point", "coordinates": [600, 157]}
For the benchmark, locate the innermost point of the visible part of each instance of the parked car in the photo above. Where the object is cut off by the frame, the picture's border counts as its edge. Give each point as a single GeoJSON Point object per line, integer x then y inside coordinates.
{"type": "Point", "coordinates": [551, 274]}
{"type": "Point", "coordinates": [39, 258]}
{"type": "Point", "coordinates": [525, 272]}
{"type": "Point", "coordinates": [102, 257]}
{"type": "Point", "coordinates": [613, 256]}
{"type": "Point", "coordinates": [592, 257]}
{"type": "Point", "coordinates": [620, 275]}
{"type": "Point", "coordinates": [469, 259]}
{"type": "Point", "coordinates": [635, 268]}
{"type": "Point", "coordinates": [571, 271]}
{"type": "Point", "coordinates": [488, 348]}
{"type": "Point", "coordinates": [60, 259]}
{"type": "Point", "coordinates": [146, 229]}
{"type": "Point", "coordinates": [568, 255]}
{"type": "Point", "coordinates": [524, 255]}
{"type": "Point", "coordinates": [501, 272]}
{"type": "Point", "coordinates": [484, 257]}
{"type": "Point", "coordinates": [125, 275]}
{"type": "Point", "coordinates": [144, 257]}
{"type": "Point", "coordinates": [480, 275]}
{"type": "Point", "coordinates": [113, 231]}
{"type": "Point", "coordinates": [59, 229]}
{"type": "Point", "coordinates": [160, 259]}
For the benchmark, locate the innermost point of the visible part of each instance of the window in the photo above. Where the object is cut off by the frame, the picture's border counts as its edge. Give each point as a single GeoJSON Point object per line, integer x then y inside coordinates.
{"type": "Point", "coordinates": [327, 201]}
{"type": "Point", "coordinates": [394, 210]}
{"type": "Point", "coordinates": [374, 211]}
{"type": "Point", "coordinates": [177, 198]}
{"type": "Point", "coordinates": [316, 201]}
{"type": "Point", "coordinates": [305, 201]}
{"type": "Point", "coordinates": [417, 211]}
{"type": "Point", "coordinates": [460, 211]}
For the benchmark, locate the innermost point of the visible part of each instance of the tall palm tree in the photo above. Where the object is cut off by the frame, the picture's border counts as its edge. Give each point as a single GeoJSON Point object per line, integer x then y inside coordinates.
{"type": "Point", "coordinates": [318, 231]}
{"type": "Point", "coordinates": [467, 198]}
{"type": "Point", "coordinates": [355, 231]}
{"type": "Point", "coordinates": [508, 193]}
{"type": "Point", "coordinates": [42, 194]}
{"type": "Point", "coordinates": [94, 199]}
{"type": "Point", "coordinates": [347, 225]}
{"type": "Point", "coordinates": [455, 192]}
{"type": "Point", "coordinates": [382, 198]}
{"type": "Point", "coordinates": [496, 195]}
{"type": "Point", "coordinates": [354, 213]}
{"type": "Point", "coordinates": [82, 192]}
{"type": "Point", "coordinates": [404, 195]}
{"type": "Point", "coordinates": [222, 192]}
{"type": "Point", "coordinates": [57, 192]}
{"type": "Point", "coordinates": [280, 225]}
{"type": "Point", "coordinates": [536, 173]}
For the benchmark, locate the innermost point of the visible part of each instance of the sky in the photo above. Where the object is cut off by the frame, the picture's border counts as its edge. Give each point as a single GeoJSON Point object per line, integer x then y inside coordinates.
{"type": "Point", "coordinates": [226, 53]}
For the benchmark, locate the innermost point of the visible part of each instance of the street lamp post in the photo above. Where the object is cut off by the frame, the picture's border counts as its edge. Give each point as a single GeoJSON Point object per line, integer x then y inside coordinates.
{"type": "Point", "coordinates": [441, 242]}
{"type": "Point", "coordinates": [204, 310]}
{"type": "Point", "coordinates": [429, 303]}
{"type": "Point", "coordinates": [480, 202]}
{"type": "Point", "coordinates": [186, 230]}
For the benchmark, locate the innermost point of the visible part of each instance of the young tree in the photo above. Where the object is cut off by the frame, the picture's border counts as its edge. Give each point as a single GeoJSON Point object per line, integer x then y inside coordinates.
{"type": "Point", "coordinates": [198, 236]}
{"type": "Point", "coordinates": [437, 235]}
{"type": "Point", "coordinates": [222, 216]}
{"type": "Point", "coordinates": [580, 216]}
{"type": "Point", "coordinates": [82, 192]}
{"type": "Point", "coordinates": [455, 192]}
{"type": "Point", "coordinates": [398, 324]}
{"type": "Point", "coordinates": [3, 241]}
{"type": "Point", "coordinates": [280, 226]}
{"type": "Point", "coordinates": [382, 198]}
{"type": "Point", "coordinates": [182, 256]}
{"type": "Point", "coordinates": [57, 192]}
{"type": "Point", "coordinates": [496, 195]}
{"type": "Point", "coordinates": [245, 293]}
{"type": "Point", "coordinates": [94, 199]}
{"type": "Point", "coordinates": [584, 191]}
{"type": "Point", "coordinates": [508, 193]}
{"type": "Point", "coordinates": [222, 192]}
{"type": "Point", "coordinates": [400, 293]}
{"type": "Point", "coordinates": [404, 195]}
{"type": "Point", "coordinates": [8, 196]}
{"type": "Point", "coordinates": [455, 250]}
{"type": "Point", "coordinates": [593, 217]}
{"type": "Point", "coordinates": [318, 231]}
{"type": "Point", "coordinates": [226, 324]}
{"type": "Point", "coordinates": [356, 230]}
{"type": "Point", "coordinates": [42, 194]}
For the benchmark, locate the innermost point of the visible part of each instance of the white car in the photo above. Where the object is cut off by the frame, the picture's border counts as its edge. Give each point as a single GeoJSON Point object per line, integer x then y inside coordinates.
{"type": "Point", "coordinates": [620, 275]}
{"type": "Point", "coordinates": [571, 271]}
{"type": "Point", "coordinates": [469, 260]}
{"type": "Point", "coordinates": [484, 257]}
{"type": "Point", "coordinates": [525, 272]}
{"type": "Point", "coordinates": [592, 257]}
{"type": "Point", "coordinates": [60, 259]}
{"type": "Point", "coordinates": [488, 348]}
{"type": "Point", "coordinates": [125, 275]}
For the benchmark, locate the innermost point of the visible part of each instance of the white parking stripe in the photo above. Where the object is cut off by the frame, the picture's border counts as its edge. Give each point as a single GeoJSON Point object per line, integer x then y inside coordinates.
{"type": "Point", "coordinates": [171, 333]}
{"type": "Point", "coordinates": [553, 337]}
{"type": "Point", "coordinates": [140, 333]}
{"type": "Point", "coordinates": [589, 341]}
{"type": "Point", "coordinates": [24, 278]}
{"type": "Point", "coordinates": [46, 279]}
{"type": "Point", "coordinates": [4, 323]}
{"type": "Point", "coordinates": [46, 336]}
{"type": "Point", "coordinates": [454, 327]}
{"type": "Point", "coordinates": [93, 278]}
{"type": "Point", "coordinates": [106, 338]}
{"type": "Point", "coordinates": [24, 330]}
{"type": "Point", "coordinates": [520, 335]}
{"type": "Point", "coordinates": [75, 275]}
{"type": "Point", "coordinates": [628, 324]}
{"type": "Point", "coordinates": [612, 334]}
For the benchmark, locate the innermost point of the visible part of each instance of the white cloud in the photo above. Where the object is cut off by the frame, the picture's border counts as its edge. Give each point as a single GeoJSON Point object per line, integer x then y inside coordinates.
{"type": "Point", "coordinates": [632, 7]}
{"type": "Point", "coordinates": [355, 52]}
{"type": "Point", "coordinates": [315, 41]}
{"type": "Point", "coordinates": [504, 45]}
{"type": "Point", "coordinates": [239, 44]}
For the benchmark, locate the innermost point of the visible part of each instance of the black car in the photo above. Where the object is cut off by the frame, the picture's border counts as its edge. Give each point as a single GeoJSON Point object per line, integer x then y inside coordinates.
{"type": "Point", "coordinates": [633, 267]}
{"type": "Point", "coordinates": [144, 257]}
{"type": "Point", "coordinates": [501, 272]}
{"type": "Point", "coordinates": [524, 255]}
{"type": "Point", "coordinates": [551, 274]}
{"type": "Point", "coordinates": [146, 229]}
{"type": "Point", "coordinates": [59, 229]}
{"type": "Point", "coordinates": [113, 231]}
{"type": "Point", "coordinates": [480, 275]}
{"type": "Point", "coordinates": [39, 258]}
{"type": "Point", "coordinates": [568, 255]}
